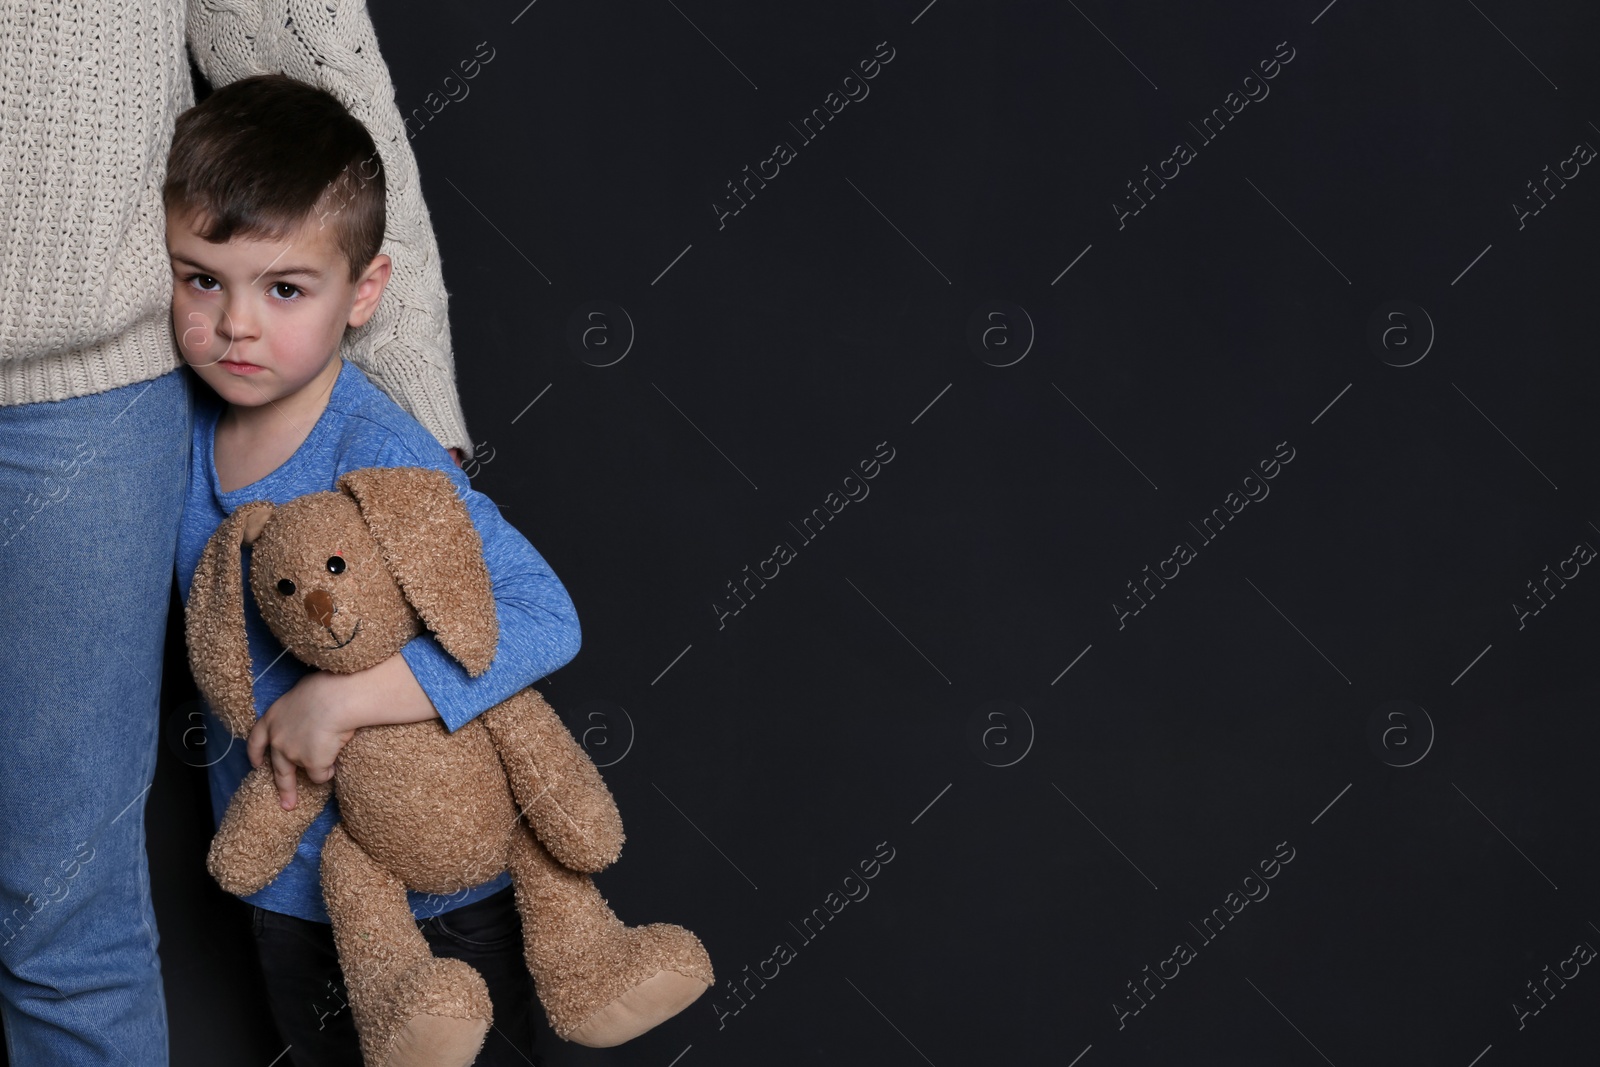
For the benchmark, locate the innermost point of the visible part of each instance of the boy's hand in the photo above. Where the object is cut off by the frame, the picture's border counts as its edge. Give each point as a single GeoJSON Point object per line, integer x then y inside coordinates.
{"type": "Point", "coordinates": [302, 728]}
{"type": "Point", "coordinates": [309, 725]}
{"type": "Point", "coordinates": [457, 455]}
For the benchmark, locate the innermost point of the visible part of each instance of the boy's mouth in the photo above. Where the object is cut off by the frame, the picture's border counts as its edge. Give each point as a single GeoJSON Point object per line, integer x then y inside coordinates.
{"type": "Point", "coordinates": [239, 367]}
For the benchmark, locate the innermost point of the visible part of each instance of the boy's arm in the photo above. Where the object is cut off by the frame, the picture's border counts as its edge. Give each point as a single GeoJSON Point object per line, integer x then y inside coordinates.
{"type": "Point", "coordinates": [538, 623]}
{"type": "Point", "coordinates": [538, 633]}
{"type": "Point", "coordinates": [405, 347]}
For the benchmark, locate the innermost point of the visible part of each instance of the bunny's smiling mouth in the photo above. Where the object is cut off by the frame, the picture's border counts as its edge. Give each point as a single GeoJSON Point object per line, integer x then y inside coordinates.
{"type": "Point", "coordinates": [347, 640]}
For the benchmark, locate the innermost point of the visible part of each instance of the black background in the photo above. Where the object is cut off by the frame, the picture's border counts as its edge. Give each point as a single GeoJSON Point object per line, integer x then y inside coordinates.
{"type": "Point", "coordinates": [848, 704]}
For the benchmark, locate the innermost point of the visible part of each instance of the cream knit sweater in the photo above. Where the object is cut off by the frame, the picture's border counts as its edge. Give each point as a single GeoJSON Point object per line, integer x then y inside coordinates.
{"type": "Point", "coordinates": [89, 92]}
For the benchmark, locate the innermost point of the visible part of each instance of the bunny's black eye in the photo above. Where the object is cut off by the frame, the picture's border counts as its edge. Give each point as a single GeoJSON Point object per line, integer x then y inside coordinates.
{"type": "Point", "coordinates": [335, 564]}
{"type": "Point", "coordinates": [286, 587]}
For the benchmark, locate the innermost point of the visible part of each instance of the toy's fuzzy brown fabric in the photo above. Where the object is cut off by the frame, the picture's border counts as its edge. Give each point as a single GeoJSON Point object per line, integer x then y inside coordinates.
{"type": "Point", "coordinates": [433, 551]}
{"type": "Point", "coordinates": [443, 824]}
{"type": "Point", "coordinates": [557, 785]}
{"type": "Point", "coordinates": [257, 837]}
{"type": "Point", "coordinates": [586, 963]}
{"type": "Point", "coordinates": [391, 975]}
{"type": "Point", "coordinates": [219, 655]}
{"type": "Point", "coordinates": [344, 579]}
{"type": "Point", "coordinates": [319, 617]}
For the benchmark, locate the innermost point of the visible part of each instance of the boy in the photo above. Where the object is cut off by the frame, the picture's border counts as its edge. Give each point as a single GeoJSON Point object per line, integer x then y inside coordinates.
{"type": "Point", "coordinates": [275, 213]}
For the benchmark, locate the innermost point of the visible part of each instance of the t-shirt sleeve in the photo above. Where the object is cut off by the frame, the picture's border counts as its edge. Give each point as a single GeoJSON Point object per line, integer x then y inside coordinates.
{"type": "Point", "coordinates": [537, 619]}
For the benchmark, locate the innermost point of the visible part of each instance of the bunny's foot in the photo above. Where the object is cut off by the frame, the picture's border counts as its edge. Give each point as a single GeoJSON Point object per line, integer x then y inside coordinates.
{"type": "Point", "coordinates": [677, 969]}
{"type": "Point", "coordinates": [410, 1009]}
{"type": "Point", "coordinates": [601, 982]}
{"type": "Point", "coordinates": [439, 1014]}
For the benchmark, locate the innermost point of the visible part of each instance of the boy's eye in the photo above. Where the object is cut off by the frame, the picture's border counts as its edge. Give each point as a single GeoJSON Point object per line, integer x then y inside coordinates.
{"type": "Point", "coordinates": [201, 279]}
{"type": "Point", "coordinates": [290, 295]}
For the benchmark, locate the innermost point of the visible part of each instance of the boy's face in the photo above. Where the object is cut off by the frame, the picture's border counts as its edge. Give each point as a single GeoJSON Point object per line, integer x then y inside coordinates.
{"type": "Point", "coordinates": [261, 320]}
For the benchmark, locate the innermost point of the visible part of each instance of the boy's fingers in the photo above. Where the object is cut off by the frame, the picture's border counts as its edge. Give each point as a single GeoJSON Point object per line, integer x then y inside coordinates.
{"type": "Point", "coordinates": [257, 744]}
{"type": "Point", "coordinates": [283, 775]}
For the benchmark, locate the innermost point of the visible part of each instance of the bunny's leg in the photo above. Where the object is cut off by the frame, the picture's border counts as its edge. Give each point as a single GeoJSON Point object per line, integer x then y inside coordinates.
{"type": "Point", "coordinates": [601, 982]}
{"type": "Point", "coordinates": [257, 837]}
{"type": "Point", "coordinates": [557, 785]}
{"type": "Point", "coordinates": [410, 1008]}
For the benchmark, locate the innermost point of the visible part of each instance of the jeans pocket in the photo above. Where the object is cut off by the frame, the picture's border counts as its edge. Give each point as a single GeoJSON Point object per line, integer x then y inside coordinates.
{"type": "Point", "coordinates": [490, 923]}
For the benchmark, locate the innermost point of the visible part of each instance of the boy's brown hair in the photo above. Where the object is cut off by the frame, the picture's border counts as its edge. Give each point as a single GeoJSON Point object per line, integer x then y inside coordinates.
{"type": "Point", "coordinates": [261, 155]}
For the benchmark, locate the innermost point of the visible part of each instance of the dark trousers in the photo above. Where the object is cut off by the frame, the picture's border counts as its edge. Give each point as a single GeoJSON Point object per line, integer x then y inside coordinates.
{"type": "Point", "coordinates": [310, 1005]}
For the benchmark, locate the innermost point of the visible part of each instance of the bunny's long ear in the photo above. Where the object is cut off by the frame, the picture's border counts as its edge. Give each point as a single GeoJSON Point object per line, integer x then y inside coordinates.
{"type": "Point", "coordinates": [219, 654]}
{"type": "Point", "coordinates": [434, 552]}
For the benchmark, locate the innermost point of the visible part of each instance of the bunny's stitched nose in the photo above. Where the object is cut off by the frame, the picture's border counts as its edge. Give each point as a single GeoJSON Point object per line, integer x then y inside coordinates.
{"type": "Point", "coordinates": [319, 605]}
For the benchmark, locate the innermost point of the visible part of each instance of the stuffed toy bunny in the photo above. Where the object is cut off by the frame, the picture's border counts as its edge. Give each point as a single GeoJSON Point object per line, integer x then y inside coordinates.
{"type": "Point", "coordinates": [344, 579]}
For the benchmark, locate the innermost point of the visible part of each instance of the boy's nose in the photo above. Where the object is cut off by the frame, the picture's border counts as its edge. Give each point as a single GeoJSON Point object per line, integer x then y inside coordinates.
{"type": "Point", "coordinates": [319, 605]}
{"type": "Point", "coordinates": [236, 323]}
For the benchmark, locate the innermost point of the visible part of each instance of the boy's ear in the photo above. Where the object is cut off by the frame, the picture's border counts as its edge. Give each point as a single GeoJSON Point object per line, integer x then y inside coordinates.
{"type": "Point", "coordinates": [429, 544]}
{"type": "Point", "coordinates": [369, 289]}
{"type": "Point", "coordinates": [219, 653]}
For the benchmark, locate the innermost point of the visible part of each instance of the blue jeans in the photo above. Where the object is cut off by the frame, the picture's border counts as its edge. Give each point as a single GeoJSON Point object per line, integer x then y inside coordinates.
{"type": "Point", "coordinates": [91, 490]}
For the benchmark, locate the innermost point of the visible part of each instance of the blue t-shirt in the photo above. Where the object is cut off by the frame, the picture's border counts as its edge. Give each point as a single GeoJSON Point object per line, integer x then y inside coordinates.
{"type": "Point", "coordinates": [363, 427]}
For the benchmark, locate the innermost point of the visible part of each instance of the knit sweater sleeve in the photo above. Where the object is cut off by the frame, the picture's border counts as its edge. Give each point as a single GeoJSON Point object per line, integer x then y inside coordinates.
{"type": "Point", "coordinates": [405, 347]}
